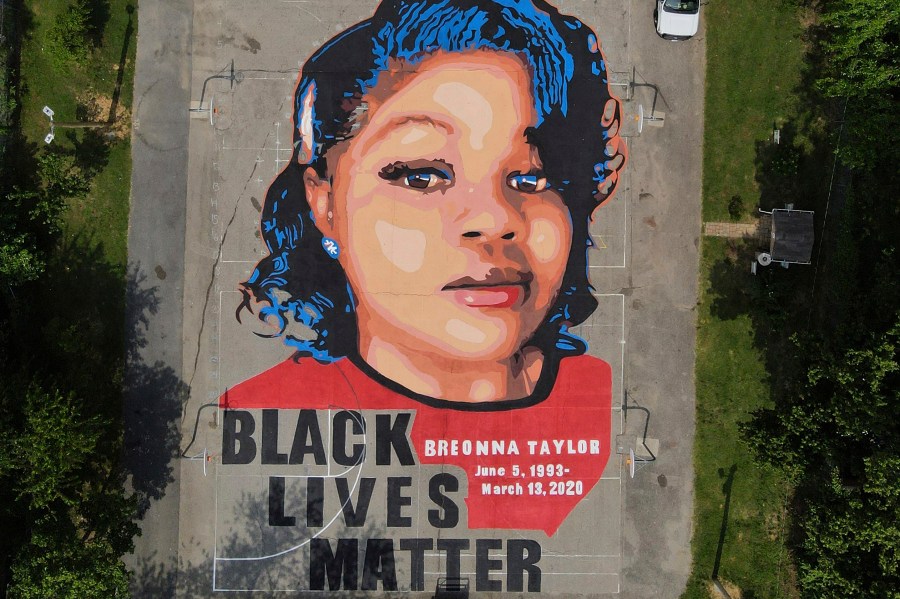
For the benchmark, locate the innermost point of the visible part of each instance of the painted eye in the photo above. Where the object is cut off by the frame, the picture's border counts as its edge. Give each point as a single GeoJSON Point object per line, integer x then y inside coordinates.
{"type": "Point", "coordinates": [422, 180]}
{"type": "Point", "coordinates": [422, 177]}
{"type": "Point", "coordinates": [527, 183]}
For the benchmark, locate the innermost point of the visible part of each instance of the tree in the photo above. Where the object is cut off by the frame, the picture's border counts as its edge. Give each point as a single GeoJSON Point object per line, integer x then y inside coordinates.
{"type": "Point", "coordinates": [30, 219]}
{"type": "Point", "coordinates": [861, 47]}
{"type": "Point", "coordinates": [57, 563]}
{"type": "Point", "coordinates": [18, 262]}
{"type": "Point", "coordinates": [65, 517]}
{"type": "Point", "coordinates": [861, 66]}
{"type": "Point", "coordinates": [69, 40]}
{"type": "Point", "coordinates": [81, 521]}
{"type": "Point", "coordinates": [61, 177]}
{"type": "Point", "coordinates": [851, 535]}
{"type": "Point", "coordinates": [736, 207]}
{"type": "Point", "coordinates": [47, 459]}
{"type": "Point", "coordinates": [841, 413]}
{"type": "Point", "coordinates": [836, 434]}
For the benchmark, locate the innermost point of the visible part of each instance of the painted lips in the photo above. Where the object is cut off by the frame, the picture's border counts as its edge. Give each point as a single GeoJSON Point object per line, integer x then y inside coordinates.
{"type": "Point", "coordinates": [501, 288]}
{"type": "Point", "coordinates": [502, 296]}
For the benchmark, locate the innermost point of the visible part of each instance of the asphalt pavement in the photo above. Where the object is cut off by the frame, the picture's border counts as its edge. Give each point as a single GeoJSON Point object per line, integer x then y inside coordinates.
{"type": "Point", "coordinates": [154, 388]}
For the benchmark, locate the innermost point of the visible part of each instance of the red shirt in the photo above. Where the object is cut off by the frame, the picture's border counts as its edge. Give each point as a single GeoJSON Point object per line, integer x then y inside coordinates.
{"type": "Point", "coordinates": [552, 451]}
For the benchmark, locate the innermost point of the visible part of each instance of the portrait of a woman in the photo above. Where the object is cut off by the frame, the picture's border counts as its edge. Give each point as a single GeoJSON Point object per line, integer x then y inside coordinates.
{"type": "Point", "coordinates": [428, 241]}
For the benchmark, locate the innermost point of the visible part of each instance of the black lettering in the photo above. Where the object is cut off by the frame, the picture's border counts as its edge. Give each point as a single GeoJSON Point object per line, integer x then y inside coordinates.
{"type": "Point", "coordinates": [276, 503]}
{"type": "Point", "coordinates": [523, 555]}
{"type": "Point", "coordinates": [339, 447]}
{"type": "Point", "coordinates": [396, 500]}
{"type": "Point", "coordinates": [417, 549]}
{"type": "Point", "coordinates": [453, 547]}
{"type": "Point", "coordinates": [270, 453]}
{"type": "Point", "coordinates": [232, 437]}
{"type": "Point", "coordinates": [315, 498]}
{"type": "Point", "coordinates": [448, 515]}
{"type": "Point", "coordinates": [307, 439]}
{"type": "Point", "coordinates": [484, 565]}
{"type": "Point", "coordinates": [355, 516]}
{"type": "Point", "coordinates": [323, 562]}
{"type": "Point", "coordinates": [379, 565]}
{"type": "Point", "coordinates": [389, 436]}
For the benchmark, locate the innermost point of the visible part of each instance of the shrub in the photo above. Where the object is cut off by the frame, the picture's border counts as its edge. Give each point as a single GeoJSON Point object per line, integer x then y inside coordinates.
{"type": "Point", "coordinates": [69, 39]}
{"type": "Point", "coordinates": [736, 208]}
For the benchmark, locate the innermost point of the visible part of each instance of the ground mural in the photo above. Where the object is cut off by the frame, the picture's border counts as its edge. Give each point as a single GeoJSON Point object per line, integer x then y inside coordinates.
{"type": "Point", "coordinates": [427, 262]}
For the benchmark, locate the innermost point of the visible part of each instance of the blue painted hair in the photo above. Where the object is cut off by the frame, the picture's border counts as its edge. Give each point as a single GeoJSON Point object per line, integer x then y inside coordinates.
{"type": "Point", "coordinates": [576, 136]}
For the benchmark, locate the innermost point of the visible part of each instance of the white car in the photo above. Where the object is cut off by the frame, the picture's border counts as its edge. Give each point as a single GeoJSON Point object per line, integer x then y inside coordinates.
{"type": "Point", "coordinates": [677, 19]}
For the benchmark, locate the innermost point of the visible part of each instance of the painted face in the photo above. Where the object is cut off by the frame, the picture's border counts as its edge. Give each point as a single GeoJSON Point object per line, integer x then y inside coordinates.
{"type": "Point", "coordinates": [451, 240]}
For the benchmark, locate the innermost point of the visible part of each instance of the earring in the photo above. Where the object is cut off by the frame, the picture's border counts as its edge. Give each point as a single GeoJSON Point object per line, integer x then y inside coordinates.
{"type": "Point", "coordinates": [330, 217]}
{"type": "Point", "coordinates": [331, 247]}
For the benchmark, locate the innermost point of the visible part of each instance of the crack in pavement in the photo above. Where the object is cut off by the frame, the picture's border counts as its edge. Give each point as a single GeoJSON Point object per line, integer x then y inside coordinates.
{"type": "Point", "coordinates": [212, 279]}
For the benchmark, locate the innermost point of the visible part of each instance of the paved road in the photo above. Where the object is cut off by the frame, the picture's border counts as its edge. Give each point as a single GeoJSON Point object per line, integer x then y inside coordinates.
{"type": "Point", "coordinates": [154, 390]}
{"type": "Point", "coordinates": [661, 291]}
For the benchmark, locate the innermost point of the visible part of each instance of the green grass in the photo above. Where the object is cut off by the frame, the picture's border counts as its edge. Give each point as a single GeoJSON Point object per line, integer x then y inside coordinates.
{"type": "Point", "coordinates": [731, 381]}
{"type": "Point", "coordinates": [755, 57]}
{"type": "Point", "coordinates": [102, 217]}
{"type": "Point", "coordinates": [754, 54]}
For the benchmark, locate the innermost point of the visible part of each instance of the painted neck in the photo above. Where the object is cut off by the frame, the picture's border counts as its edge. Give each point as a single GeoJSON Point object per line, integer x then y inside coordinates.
{"type": "Point", "coordinates": [455, 380]}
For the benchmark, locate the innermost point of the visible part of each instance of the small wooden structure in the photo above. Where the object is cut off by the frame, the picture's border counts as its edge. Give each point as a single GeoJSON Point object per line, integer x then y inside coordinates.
{"type": "Point", "coordinates": [793, 236]}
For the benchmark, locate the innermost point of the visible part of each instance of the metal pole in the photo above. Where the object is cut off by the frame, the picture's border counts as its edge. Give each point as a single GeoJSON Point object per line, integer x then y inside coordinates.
{"type": "Point", "coordinates": [80, 125]}
{"type": "Point", "coordinates": [232, 77]}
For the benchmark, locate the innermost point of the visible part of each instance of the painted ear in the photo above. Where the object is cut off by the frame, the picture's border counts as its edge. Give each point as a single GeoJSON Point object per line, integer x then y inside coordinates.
{"type": "Point", "coordinates": [306, 144]}
{"type": "Point", "coordinates": [321, 200]}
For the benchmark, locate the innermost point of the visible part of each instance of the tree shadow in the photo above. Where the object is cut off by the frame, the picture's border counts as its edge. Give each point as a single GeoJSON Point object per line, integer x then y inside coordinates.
{"type": "Point", "coordinates": [73, 334]}
{"type": "Point", "coordinates": [778, 168]}
{"type": "Point", "coordinates": [21, 17]}
{"type": "Point", "coordinates": [19, 167]}
{"type": "Point", "coordinates": [726, 491]}
{"type": "Point", "coordinates": [101, 308]}
{"type": "Point", "coordinates": [91, 150]}
{"type": "Point", "coordinates": [120, 74]}
{"type": "Point", "coordinates": [151, 579]}
{"type": "Point", "coordinates": [269, 577]}
{"type": "Point", "coordinates": [154, 394]}
{"type": "Point", "coordinates": [67, 330]}
{"type": "Point", "coordinates": [98, 16]}
{"type": "Point", "coordinates": [775, 299]}
{"type": "Point", "coordinates": [797, 171]}
{"type": "Point", "coordinates": [14, 27]}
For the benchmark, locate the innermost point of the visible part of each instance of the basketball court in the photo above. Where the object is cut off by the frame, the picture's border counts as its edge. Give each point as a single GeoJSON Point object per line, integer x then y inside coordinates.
{"type": "Point", "coordinates": [278, 525]}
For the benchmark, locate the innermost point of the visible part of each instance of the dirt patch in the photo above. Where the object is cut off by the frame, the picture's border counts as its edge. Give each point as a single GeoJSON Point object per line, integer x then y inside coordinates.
{"type": "Point", "coordinates": [809, 17]}
{"type": "Point", "coordinates": [97, 108]}
{"type": "Point", "coordinates": [733, 590]}
{"type": "Point", "coordinates": [731, 252]}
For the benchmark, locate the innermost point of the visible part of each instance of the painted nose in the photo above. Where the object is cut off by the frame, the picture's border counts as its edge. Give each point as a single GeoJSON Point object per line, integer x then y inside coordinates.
{"type": "Point", "coordinates": [491, 216]}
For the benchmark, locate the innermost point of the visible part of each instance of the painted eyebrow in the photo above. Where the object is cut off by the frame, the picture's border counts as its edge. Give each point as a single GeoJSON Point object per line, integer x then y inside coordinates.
{"type": "Point", "coordinates": [400, 120]}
